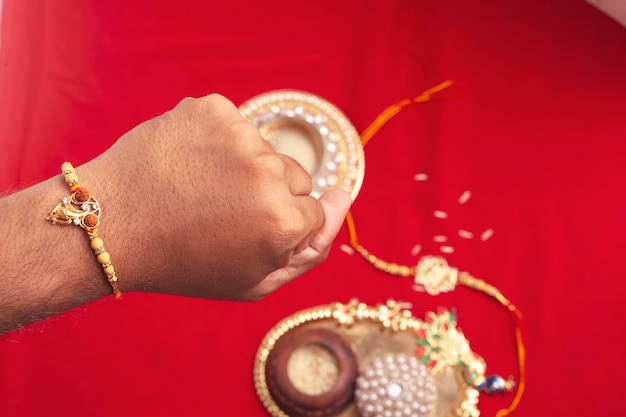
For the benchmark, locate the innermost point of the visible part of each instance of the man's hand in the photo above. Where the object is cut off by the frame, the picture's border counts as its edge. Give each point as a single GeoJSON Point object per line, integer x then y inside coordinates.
{"type": "Point", "coordinates": [193, 202]}
{"type": "Point", "coordinates": [207, 208]}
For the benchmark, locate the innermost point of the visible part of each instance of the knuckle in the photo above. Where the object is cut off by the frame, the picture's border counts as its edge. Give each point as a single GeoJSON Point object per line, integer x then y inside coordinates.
{"type": "Point", "coordinates": [185, 101]}
{"type": "Point", "coordinates": [212, 104]}
{"type": "Point", "coordinates": [216, 99]}
{"type": "Point", "coordinates": [216, 103]}
{"type": "Point", "coordinates": [242, 136]}
{"type": "Point", "coordinates": [269, 166]}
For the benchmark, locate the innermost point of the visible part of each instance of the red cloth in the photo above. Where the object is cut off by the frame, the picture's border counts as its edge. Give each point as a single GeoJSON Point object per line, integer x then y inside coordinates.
{"type": "Point", "coordinates": [538, 139]}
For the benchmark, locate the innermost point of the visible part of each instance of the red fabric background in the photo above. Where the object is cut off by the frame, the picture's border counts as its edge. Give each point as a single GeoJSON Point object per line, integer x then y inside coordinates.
{"type": "Point", "coordinates": [538, 138]}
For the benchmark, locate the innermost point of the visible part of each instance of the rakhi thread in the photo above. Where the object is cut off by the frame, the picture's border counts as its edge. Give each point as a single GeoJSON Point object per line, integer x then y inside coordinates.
{"type": "Point", "coordinates": [82, 209]}
{"type": "Point", "coordinates": [444, 278]}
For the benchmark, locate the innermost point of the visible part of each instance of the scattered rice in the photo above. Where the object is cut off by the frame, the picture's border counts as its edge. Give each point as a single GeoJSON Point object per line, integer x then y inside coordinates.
{"type": "Point", "coordinates": [419, 288]}
{"type": "Point", "coordinates": [465, 196]}
{"type": "Point", "coordinates": [420, 177]}
{"type": "Point", "coordinates": [440, 214]}
{"type": "Point", "coordinates": [347, 249]}
{"type": "Point", "coordinates": [440, 238]}
{"type": "Point", "coordinates": [486, 234]}
{"type": "Point", "coordinates": [466, 234]}
{"type": "Point", "coordinates": [446, 249]}
{"type": "Point", "coordinates": [416, 249]}
{"type": "Point", "coordinates": [312, 369]}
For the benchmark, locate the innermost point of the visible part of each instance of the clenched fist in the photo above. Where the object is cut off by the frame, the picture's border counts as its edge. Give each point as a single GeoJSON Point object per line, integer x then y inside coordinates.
{"type": "Point", "coordinates": [194, 202]}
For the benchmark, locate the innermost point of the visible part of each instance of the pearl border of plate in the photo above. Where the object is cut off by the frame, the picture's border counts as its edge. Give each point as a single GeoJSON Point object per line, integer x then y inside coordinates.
{"type": "Point", "coordinates": [343, 160]}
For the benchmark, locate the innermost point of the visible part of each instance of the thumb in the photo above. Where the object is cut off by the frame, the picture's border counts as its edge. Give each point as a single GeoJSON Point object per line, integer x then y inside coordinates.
{"type": "Point", "coordinates": [335, 205]}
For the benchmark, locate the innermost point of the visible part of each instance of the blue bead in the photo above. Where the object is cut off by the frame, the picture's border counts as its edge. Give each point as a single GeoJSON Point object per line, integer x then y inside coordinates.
{"type": "Point", "coordinates": [495, 384]}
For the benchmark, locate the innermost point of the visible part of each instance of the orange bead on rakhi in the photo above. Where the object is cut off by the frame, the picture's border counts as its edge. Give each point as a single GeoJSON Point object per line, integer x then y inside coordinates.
{"type": "Point", "coordinates": [82, 209]}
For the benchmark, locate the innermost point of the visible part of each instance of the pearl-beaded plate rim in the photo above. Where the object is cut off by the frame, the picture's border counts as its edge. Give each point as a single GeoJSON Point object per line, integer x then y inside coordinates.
{"type": "Point", "coordinates": [343, 159]}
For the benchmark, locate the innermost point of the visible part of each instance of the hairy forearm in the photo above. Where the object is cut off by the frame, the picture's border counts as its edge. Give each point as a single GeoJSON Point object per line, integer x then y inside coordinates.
{"type": "Point", "coordinates": [45, 268]}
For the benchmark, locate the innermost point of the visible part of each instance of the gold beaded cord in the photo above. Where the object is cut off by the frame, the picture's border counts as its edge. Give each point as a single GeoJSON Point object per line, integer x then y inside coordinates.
{"type": "Point", "coordinates": [83, 210]}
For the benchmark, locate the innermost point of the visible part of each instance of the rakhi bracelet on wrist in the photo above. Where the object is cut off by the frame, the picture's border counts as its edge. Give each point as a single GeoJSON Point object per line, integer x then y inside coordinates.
{"type": "Point", "coordinates": [82, 209]}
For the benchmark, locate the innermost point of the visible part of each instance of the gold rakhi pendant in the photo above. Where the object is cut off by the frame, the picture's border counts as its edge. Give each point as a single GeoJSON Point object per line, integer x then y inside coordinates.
{"type": "Point", "coordinates": [70, 210]}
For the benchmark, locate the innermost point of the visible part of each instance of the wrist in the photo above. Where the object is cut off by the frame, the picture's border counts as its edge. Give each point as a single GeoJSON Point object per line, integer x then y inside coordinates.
{"type": "Point", "coordinates": [46, 268]}
{"type": "Point", "coordinates": [125, 220]}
